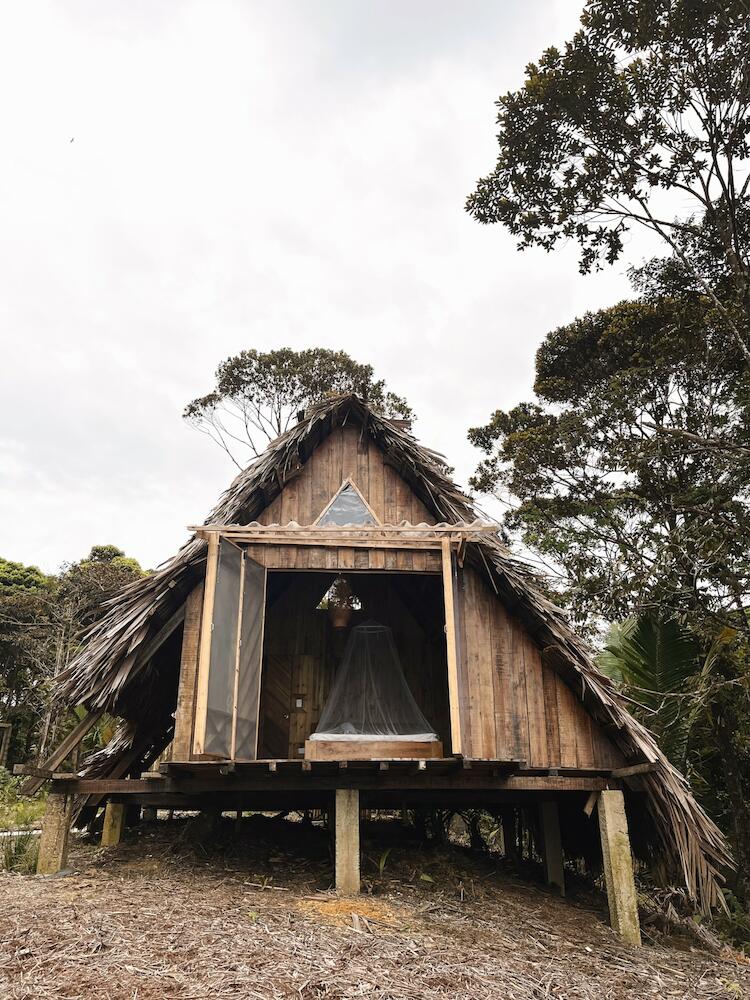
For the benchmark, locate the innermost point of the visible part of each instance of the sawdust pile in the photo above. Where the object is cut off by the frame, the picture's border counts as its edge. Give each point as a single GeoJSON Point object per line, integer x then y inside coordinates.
{"type": "Point", "coordinates": [252, 916]}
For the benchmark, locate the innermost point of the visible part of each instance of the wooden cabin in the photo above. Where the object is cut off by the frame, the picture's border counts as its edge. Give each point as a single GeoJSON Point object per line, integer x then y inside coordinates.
{"type": "Point", "coordinates": [239, 666]}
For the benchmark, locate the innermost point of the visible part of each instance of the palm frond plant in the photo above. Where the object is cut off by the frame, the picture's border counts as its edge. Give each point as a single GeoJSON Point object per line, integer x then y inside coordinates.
{"type": "Point", "coordinates": [669, 674]}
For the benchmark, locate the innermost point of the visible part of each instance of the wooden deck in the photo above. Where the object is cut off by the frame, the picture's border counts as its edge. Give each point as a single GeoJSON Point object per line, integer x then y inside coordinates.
{"type": "Point", "coordinates": [300, 783]}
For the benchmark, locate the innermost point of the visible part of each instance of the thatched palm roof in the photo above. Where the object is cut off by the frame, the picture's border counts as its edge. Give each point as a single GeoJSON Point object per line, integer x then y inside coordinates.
{"type": "Point", "coordinates": [114, 668]}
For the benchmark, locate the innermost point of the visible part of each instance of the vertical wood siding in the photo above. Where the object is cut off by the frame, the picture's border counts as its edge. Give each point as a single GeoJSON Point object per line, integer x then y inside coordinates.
{"type": "Point", "coordinates": [345, 454]}
{"type": "Point", "coordinates": [516, 706]}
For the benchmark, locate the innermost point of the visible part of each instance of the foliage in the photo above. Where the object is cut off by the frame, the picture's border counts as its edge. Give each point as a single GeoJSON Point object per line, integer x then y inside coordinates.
{"type": "Point", "coordinates": [663, 667]}
{"type": "Point", "coordinates": [629, 474]}
{"type": "Point", "coordinates": [15, 576]}
{"type": "Point", "coordinates": [42, 620]}
{"type": "Point", "coordinates": [25, 596]}
{"type": "Point", "coordinates": [20, 853]}
{"type": "Point", "coordinates": [646, 109]}
{"type": "Point", "coordinates": [18, 811]}
{"type": "Point", "coordinates": [259, 394]}
{"type": "Point", "coordinates": [631, 515]}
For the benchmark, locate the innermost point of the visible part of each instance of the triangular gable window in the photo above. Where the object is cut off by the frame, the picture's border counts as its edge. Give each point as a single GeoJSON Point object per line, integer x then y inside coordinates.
{"type": "Point", "coordinates": [347, 507]}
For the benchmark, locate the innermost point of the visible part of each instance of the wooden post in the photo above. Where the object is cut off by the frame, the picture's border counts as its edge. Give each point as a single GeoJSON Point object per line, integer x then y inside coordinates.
{"type": "Point", "coordinates": [149, 814]}
{"type": "Point", "coordinates": [510, 837]}
{"type": "Point", "coordinates": [114, 821]}
{"type": "Point", "coordinates": [618, 866]}
{"type": "Point", "coordinates": [204, 645]}
{"type": "Point", "coordinates": [452, 647]}
{"type": "Point", "coordinates": [347, 841]}
{"type": "Point", "coordinates": [53, 843]}
{"type": "Point", "coordinates": [552, 845]}
{"type": "Point", "coordinates": [184, 716]}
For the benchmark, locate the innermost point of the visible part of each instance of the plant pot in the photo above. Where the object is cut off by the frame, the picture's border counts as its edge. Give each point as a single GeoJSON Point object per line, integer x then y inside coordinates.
{"type": "Point", "coordinates": [340, 616]}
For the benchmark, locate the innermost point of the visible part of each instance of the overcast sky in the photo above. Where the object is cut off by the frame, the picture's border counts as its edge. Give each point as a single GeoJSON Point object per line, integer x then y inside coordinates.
{"type": "Point", "coordinates": [182, 180]}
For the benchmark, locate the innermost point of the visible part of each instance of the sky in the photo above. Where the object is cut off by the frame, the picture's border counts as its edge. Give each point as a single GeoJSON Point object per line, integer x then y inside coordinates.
{"type": "Point", "coordinates": [180, 181]}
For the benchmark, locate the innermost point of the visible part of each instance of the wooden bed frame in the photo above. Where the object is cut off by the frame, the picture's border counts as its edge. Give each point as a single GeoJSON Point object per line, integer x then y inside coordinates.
{"type": "Point", "coordinates": [372, 749]}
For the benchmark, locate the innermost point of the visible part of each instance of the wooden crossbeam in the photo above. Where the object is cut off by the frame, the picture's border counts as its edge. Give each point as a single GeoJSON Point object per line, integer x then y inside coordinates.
{"type": "Point", "coordinates": [58, 756]}
{"type": "Point", "coordinates": [348, 530]}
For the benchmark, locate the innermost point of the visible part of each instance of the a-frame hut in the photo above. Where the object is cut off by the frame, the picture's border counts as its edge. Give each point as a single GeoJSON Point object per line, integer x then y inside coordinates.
{"type": "Point", "coordinates": [227, 658]}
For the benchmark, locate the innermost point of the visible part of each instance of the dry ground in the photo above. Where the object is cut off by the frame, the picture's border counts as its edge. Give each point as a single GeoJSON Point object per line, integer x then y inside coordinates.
{"type": "Point", "coordinates": [160, 917]}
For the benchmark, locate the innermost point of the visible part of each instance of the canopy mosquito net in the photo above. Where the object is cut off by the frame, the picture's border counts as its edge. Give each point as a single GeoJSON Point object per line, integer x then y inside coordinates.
{"type": "Point", "coordinates": [370, 697]}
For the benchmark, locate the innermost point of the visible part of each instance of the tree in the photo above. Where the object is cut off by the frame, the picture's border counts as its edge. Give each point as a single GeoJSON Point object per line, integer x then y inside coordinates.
{"type": "Point", "coordinates": [645, 111]}
{"type": "Point", "coordinates": [635, 520]}
{"type": "Point", "coordinates": [76, 604]}
{"type": "Point", "coordinates": [632, 517]}
{"type": "Point", "coordinates": [259, 394]}
{"type": "Point", "coordinates": [42, 621]}
{"type": "Point", "coordinates": [24, 650]}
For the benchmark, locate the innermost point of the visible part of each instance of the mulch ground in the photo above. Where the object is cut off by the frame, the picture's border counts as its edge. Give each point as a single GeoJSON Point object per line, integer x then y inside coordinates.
{"type": "Point", "coordinates": [252, 915]}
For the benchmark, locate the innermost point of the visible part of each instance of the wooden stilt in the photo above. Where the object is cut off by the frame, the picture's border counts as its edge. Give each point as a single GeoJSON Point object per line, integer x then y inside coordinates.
{"type": "Point", "coordinates": [114, 821]}
{"type": "Point", "coordinates": [618, 866]}
{"type": "Point", "coordinates": [149, 814]}
{"type": "Point", "coordinates": [53, 843]}
{"type": "Point", "coordinates": [510, 841]}
{"type": "Point", "coordinates": [347, 841]}
{"type": "Point", "coordinates": [552, 845]}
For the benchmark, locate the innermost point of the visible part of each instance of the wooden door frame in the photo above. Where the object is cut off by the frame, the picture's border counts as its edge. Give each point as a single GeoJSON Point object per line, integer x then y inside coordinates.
{"type": "Point", "coordinates": [452, 645]}
{"type": "Point", "coordinates": [453, 654]}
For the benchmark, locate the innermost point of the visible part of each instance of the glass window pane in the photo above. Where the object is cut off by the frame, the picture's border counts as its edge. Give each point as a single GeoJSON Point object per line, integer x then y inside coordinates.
{"type": "Point", "coordinates": [251, 660]}
{"type": "Point", "coordinates": [223, 652]}
{"type": "Point", "coordinates": [347, 508]}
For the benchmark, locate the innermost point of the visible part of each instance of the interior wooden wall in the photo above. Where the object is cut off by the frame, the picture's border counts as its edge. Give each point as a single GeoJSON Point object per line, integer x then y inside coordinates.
{"type": "Point", "coordinates": [346, 453]}
{"type": "Point", "coordinates": [302, 652]}
{"type": "Point", "coordinates": [512, 705]}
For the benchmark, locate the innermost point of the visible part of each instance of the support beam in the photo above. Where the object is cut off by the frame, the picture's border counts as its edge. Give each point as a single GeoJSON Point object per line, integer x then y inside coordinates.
{"type": "Point", "coordinates": [204, 644]}
{"type": "Point", "coordinates": [114, 821]}
{"type": "Point", "coordinates": [53, 843]}
{"type": "Point", "coordinates": [347, 841]}
{"type": "Point", "coordinates": [58, 756]}
{"type": "Point", "coordinates": [552, 845]}
{"type": "Point", "coordinates": [451, 648]}
{"type": "Point", "coordinates": [618, 866]}
{"type": "Point", "coordinates": [508, 824]}
{"type": "Point", "coordinates": [149, 814]}
{"type": "Point", "coordinates": [184, 716]}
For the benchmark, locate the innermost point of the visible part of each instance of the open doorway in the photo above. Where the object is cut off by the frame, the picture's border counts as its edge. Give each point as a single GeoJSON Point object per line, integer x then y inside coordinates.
{"type": "Point", "coordinates": [305, 641]}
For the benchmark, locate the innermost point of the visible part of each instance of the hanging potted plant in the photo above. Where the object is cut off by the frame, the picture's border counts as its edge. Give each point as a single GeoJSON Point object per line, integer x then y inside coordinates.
{"type": "Point", "coordinates": [341, 603]}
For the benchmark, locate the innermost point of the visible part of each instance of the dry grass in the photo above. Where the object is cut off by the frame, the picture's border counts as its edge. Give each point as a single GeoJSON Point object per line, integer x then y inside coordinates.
{"type": "Point", "coordinates": [161, 917]}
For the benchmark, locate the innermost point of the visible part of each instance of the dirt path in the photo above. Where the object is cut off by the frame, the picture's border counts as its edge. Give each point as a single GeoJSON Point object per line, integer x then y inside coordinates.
{"type": "Point", "coordinates": [155, 919]}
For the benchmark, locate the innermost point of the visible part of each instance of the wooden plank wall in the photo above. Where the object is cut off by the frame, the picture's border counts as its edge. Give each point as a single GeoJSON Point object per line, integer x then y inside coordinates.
{"type": "Point", "coordinates": [516, 706]}
{"type": "Point", "coordinates": [318, 557]}
{"type": "Point", "coordinates": [346, 453]}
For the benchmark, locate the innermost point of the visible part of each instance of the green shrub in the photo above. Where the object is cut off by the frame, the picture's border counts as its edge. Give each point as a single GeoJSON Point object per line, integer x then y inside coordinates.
{"type": "Point", "coordinates": [18, 811]}
{"type": "Point", "coordinates": [20, 853]}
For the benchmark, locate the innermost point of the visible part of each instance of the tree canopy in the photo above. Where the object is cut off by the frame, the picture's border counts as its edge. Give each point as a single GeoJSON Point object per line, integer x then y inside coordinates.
{"type": "Point", "coordinates": [259, 394]}
{"type": "Point", "coordinates": [641, 119]}
{"type": "Point", "coordinates": [634, 516]}
{"type": "Point", "coordinates": [614, 475]}
{"type": "Point", "coordinates": [42, 620]}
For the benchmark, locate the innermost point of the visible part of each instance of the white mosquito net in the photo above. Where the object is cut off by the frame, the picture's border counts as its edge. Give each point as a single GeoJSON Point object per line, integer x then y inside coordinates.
{"type": "Point", "coordinates": [370, 697]}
